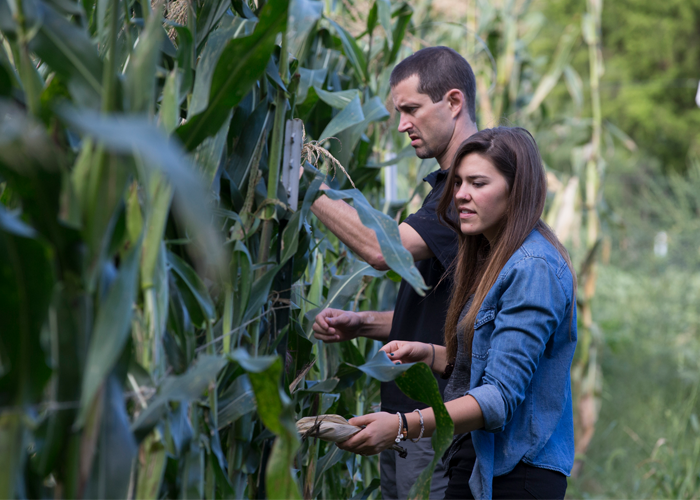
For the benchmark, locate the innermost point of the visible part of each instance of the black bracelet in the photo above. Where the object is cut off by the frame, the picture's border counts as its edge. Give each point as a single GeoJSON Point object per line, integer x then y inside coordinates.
{"type": "Point", "coordinates": [405, 424]}
{"type": "Point", "coordinates": [448, 371]}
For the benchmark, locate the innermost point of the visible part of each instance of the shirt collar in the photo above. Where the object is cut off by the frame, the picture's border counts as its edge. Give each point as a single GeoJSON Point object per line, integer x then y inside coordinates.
{"type": "Point", "coordinates": [436, 177]}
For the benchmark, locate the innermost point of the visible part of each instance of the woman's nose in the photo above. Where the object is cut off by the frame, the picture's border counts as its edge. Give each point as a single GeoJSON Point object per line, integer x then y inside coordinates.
{"type": "Point", "coordinates": [463, 193]}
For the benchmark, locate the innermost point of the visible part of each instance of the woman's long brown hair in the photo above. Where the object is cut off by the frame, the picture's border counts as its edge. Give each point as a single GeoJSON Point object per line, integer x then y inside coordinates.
{"type": "Point", "coordinates": [514, 153]}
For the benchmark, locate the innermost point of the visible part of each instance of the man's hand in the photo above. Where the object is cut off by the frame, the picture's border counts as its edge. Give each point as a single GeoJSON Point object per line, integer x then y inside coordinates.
{"type": "Point", "coordinates": [336, 325]}
{"type": "Point", "coordinates": [408, 352]}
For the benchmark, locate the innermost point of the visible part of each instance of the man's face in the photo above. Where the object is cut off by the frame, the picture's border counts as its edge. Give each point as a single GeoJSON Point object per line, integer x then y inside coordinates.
{"type": "Point", "coordinates": [429, 124]}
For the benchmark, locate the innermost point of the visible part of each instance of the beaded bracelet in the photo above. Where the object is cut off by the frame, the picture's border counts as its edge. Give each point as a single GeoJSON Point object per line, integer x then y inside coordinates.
{"type": "Point", "coordinates": [398, 436]}
{"type": "Point", "coordinates": [422, 428]}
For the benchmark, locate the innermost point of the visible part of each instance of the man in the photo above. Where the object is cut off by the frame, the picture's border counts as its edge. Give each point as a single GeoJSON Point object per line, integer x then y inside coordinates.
{"type": "Point", "coordinates": [433, 92]}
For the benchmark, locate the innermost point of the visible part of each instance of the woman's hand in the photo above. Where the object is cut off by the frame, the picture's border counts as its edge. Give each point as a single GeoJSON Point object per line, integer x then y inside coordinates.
{"type": "Point", "coordinates": [378, 435]}
{"type": "Point", "coordinates": [408, 352]}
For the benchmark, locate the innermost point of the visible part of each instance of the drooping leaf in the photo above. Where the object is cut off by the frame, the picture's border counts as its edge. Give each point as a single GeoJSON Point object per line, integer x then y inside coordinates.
{"type": "Point", "coordinates": [396, 256]}
{"type": "Point", "coordinates": [240, 64]}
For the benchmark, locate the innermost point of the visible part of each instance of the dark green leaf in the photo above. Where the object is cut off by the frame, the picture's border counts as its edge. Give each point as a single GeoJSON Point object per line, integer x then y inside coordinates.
{"type": "Point", "coordinates": [26, 283]}
{"type": "Point", "coordinates": [241, 63]}
{"type": "Point", "coordinates": [404, 13]}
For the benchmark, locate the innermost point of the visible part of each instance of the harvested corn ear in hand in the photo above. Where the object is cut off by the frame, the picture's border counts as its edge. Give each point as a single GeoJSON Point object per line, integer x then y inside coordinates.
{"type": "Point", "coordinates": [333, 428]}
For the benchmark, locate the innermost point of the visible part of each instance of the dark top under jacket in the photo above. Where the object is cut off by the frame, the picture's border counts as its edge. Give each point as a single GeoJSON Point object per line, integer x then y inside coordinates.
{"type": "Point", "coordinates": [416, 318]}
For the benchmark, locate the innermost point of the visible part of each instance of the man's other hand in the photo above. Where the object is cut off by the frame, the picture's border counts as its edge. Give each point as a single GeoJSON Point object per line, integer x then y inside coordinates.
{"type": "Point", "coordinates": [336, 325]}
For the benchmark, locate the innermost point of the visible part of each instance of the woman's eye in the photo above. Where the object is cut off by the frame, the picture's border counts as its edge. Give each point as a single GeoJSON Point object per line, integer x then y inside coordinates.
{"type": "Point", "coordinates": [477, 184]}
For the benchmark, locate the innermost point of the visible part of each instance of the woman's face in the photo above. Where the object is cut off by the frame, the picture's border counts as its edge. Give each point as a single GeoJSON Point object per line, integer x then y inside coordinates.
{"type": "Point", "coordinates": [480, 195]}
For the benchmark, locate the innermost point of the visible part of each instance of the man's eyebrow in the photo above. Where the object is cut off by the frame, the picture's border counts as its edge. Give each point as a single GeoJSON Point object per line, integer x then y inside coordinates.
{"type": "Point", "coordinates": [405, 105]}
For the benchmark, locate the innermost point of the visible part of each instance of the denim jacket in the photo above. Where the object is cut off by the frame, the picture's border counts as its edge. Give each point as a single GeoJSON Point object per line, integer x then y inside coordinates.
{"type": "Point", "coordinates": [523, 346]}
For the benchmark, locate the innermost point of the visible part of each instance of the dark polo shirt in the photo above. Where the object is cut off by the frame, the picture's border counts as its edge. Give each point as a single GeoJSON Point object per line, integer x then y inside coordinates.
{"type": "Point", "coordinates": [417, 318]}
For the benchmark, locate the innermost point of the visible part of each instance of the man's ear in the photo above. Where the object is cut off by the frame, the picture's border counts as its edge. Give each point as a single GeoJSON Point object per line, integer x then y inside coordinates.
{"type": "Point", "coordinates": [455, 99]}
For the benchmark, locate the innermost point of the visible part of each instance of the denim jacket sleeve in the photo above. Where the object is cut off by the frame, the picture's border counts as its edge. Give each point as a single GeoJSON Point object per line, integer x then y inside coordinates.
{"type": "Point", "coordinates": [531, 304]}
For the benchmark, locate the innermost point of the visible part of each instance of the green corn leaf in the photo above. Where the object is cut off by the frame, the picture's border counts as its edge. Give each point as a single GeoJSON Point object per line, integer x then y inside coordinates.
{"type": "Point", "coordinates": [137, 136]}
{"type": "Point", "coordinates": [338, 100]}
{"type": "Point", "coordinates": [241, 63]}
{"type": "Point", "coordinates": [384, 15]}
{"type": "Point", "coordinates": [217, 42]}
{"type": "Point", "coordinates": [309, 78]}
{"type": "Point", "coordinates": [303, 15]}
{"type": "Point", "coordinates": [417, 381]}
{"type": "Point", "coordinates": [111, 330]}
{"type": "Point", "coordinates": [140, 81]}
{"type": "Point", "coordinates": [403, 15]}
{"type": "Point", "coordinates": [349, 116]}
{"type": "Point", "coordinates": [194, 284]}
{"type": "Point", "coordinates": [342, 288]}
{"type": "Point", "coordinates": [396, 256]}
{"type": "Point", "coordinates": [352, 51]}
{"type": "Point", "coordinates": [277, 415]}
{"type": "Point", "coordinates": [254, 131]}
{"type": "Point", "coordinates": [117, 446]}
{"type": "Point", "coordinates": [184, 388]}
{"type": "Point", "coordinates": [70, 52]}
{"type": "Point", "coordinates": [237, 400]}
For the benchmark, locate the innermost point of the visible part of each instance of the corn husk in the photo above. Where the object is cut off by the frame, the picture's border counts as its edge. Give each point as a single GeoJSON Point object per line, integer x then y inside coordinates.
{"type": "Point", "coordinates": [333, 428]}
{"type": "Point", "coordinates": [328, 427]}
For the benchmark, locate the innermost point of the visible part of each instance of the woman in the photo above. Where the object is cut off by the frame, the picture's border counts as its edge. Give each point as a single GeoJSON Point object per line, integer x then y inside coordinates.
{"type": "Point", "coordinates": [510, 332]}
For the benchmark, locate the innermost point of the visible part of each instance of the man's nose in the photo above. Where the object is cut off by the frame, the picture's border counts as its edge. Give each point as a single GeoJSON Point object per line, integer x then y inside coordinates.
{"type": "Point", "coordinates": [404, 124]}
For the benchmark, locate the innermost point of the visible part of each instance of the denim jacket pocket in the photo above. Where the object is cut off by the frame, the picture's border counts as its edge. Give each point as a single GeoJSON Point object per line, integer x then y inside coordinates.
{"type": "Point", "coordinates": [483, 327]}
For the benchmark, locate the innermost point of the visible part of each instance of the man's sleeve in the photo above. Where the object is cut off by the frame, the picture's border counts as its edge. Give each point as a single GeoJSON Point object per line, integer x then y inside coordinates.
{"type": "Point", "coordinates": [441, 239]}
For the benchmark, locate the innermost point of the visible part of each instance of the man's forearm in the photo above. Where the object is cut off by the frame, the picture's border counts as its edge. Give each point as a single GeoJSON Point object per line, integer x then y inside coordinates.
{"type": "Point", "coordinates": [376, 325]}
{"type": "Point", "coordinates": [342, 220]}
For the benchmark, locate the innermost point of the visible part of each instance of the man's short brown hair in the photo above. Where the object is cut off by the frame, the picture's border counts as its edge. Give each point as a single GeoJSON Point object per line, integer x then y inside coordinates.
{"type": "Point", "coordinates": [439, 70]}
